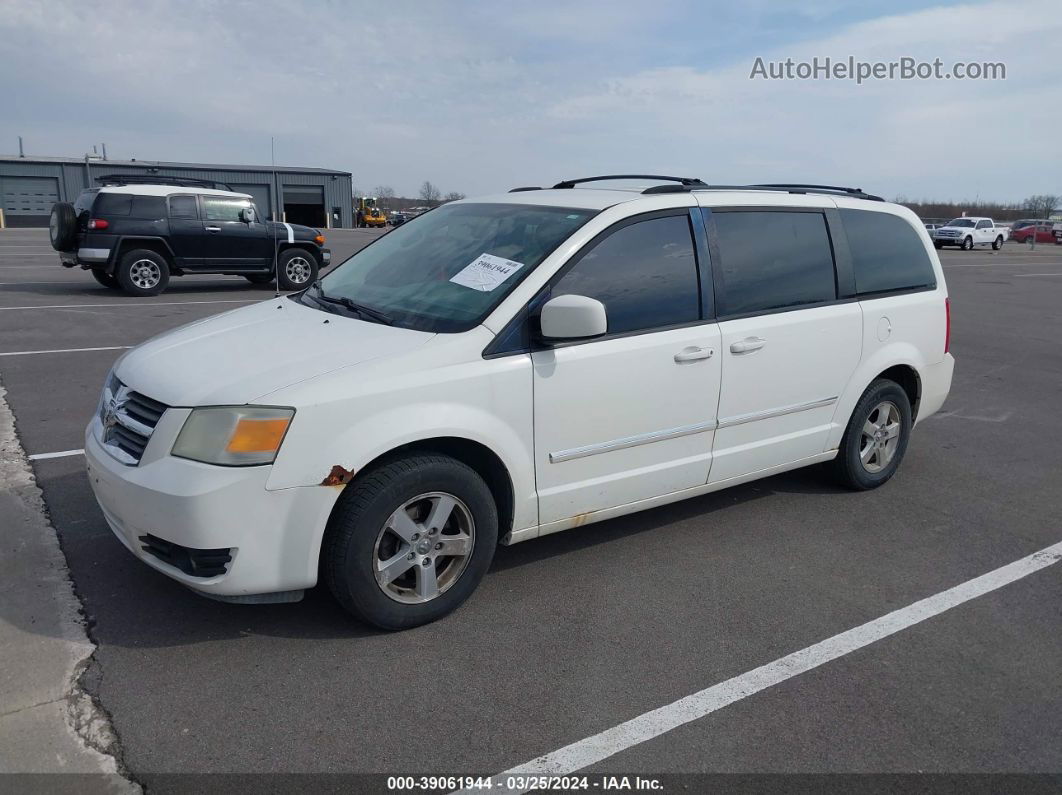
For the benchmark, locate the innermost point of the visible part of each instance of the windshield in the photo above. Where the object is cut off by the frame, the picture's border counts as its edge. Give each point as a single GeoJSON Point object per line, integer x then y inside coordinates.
{"type": "Point", "coordinates": [961, 222]}
{"type": "Point", "coordinates": [445, 270]}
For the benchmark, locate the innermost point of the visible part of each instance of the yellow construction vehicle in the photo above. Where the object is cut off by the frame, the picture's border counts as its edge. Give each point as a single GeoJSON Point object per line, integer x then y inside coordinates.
{"type": "Point", "coordinates": [368, 214]}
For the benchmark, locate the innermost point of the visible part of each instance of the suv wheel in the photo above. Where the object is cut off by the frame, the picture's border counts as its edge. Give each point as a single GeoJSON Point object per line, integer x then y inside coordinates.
{"type": "Point", "coordinates": [997, 244]}
{"type": "Point", "coordinates": [876, 438]}
{"type": "Point", "coordinates": [297, 269]}
{"type": "Point", "coordinates": [62, 226]}
{"type": "Point", "coordinates": [259, 278]}
{"type": "Point", "coordinates": [143, 272]}
{"type": "Point", "coordinates": [409, 541]}
{"type": "Point", "coordinates": [106, 279]}
{"type": "Point", "coordinates": [967, 243]}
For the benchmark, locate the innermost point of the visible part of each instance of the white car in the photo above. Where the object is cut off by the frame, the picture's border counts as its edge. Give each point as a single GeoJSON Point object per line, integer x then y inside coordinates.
{"type": "Point", "coordinates": [969, 232]}
{"type": "Point", "coordinates": [507, 367]}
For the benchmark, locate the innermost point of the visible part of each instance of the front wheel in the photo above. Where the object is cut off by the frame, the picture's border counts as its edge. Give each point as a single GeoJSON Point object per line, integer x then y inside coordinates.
{"type": "Point", "coordinates": [409, 541]}
{"type": "Point", "coordinates": [876, 438]}
{"type": "Point", "coordinates": [967, 243]}
{"type": "Point", "coordinates": [143, 272]}
{"type": "Point", "coordinates": [296, 269]}
{"type": "Point", "coordinates": [997, 244]}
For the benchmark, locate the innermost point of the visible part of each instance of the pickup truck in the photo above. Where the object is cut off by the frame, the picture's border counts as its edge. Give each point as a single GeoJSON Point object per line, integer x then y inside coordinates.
{"type": "Point", "coordinates": [968, 232]}
{"type": "Point", "coordinates": [1056, 229]}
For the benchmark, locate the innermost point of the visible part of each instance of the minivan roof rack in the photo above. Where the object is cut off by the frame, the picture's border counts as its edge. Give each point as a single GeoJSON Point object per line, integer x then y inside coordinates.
{"type": "Point", "coordinates": [833, 190]}
{"type": "Point", "coordinates": [151, 179]}
{"type": "Point", "coordinates": [688, 182]}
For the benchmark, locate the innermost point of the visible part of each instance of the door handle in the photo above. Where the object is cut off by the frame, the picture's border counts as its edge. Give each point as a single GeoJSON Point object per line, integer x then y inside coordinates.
{"type": "Point", "coordinates": [213, 228]}
{"type": "Point", "coordinates": [747, 345]}
{"type": "Point", "coordinates": [694, 354]}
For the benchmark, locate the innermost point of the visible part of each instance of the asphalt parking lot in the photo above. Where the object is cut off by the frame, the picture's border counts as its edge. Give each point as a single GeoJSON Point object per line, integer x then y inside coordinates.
{"type": "Point", "coordinates": [574, 633]}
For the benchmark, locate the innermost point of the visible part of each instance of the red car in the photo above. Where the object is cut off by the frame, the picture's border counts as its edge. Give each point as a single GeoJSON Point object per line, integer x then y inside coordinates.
{"type": "Point", "coordinates": [1044, 231]}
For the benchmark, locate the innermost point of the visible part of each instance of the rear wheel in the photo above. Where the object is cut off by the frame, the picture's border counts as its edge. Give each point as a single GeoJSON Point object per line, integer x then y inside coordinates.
{"type": "Point", "coordinates": [143, 272]}
{"type": "Point", "coordinates": [876, 438]}
{"type": "Point", "coordinates": [997, 244]}
{"type": "Point", "coordinates": [296, 269]}
{"type": "Point", "coordinates": [106, 279]}
{"type": "Point", "coordinates": [259, 278]}
{"type": "Point", "coordinates": [409, 541]}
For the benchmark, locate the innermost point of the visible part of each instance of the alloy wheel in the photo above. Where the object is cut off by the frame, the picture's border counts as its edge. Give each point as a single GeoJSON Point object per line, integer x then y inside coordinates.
{"type": "Point", "coordinates": [880, 437]}
{"type": "Point", "coordinates": [297, 270]}
{"type": "Point", "coordinates": [145, 274]}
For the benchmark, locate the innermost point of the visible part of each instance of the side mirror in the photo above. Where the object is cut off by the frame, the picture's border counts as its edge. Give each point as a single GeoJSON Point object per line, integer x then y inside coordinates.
{"type": "Point", "coordinates": [247, 215]}
{"type": "Point", "coordinates": [572, 317]}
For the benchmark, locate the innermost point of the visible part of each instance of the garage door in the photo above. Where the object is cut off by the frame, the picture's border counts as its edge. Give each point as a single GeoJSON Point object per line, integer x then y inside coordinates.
{"type": "Point", "coordinates": [304, 205]}
{"type": "Point", "coordinates": [27, 201]}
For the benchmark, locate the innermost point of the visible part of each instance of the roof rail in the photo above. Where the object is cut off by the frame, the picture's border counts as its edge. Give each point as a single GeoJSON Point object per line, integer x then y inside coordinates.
{"type": "Point", "coordinates": [521, 190]}
{"type": "Point", "coordinates": [799, 187]}
{"type": "Point", "coordinates": [151, 179]}
{"type": "Point", "coordinates": [689, 182]}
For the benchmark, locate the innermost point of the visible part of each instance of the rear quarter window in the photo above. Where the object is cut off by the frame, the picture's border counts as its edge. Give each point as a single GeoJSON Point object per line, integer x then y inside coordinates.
{"type": "Point", "coordinates": [85, 200]}
{"type": "Point", "coordinates": [149, 207]}
{"type": "Point", "coordinates": [887, 253]}
{"type": "Point", "coordinates": [110, 204]}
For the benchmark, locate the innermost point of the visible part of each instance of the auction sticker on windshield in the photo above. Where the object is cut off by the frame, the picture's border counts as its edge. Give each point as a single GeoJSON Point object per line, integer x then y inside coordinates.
{"type": "Point", "coordinates": [486, 272]}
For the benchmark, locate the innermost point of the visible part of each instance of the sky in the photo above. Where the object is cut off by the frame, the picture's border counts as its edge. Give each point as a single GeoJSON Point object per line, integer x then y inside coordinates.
{"type": "Point", "coordinates": [478, 96]}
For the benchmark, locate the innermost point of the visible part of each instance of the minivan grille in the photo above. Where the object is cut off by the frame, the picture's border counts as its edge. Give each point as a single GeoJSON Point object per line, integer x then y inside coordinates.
{"type": "Point", "coordinates": [193, 562]}
{"type": "Point", "coordinates": [129, 418]}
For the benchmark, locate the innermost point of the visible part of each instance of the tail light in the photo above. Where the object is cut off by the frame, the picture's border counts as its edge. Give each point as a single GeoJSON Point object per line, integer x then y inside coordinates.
{"type": "Point", "coordinates": [98, 223]}
{"type": "Point", "coordinates": [947, 324]}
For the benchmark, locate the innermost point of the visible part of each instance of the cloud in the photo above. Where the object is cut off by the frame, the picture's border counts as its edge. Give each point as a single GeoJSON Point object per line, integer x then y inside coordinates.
{"type": "Point", "coordinates": [481, 96]}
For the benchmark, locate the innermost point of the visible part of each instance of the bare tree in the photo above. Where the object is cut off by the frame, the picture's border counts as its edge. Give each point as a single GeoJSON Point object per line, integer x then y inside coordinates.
{"type": "Point", "coordinates": [1041, 205]}
{"type": "Point", "coordinates": [453, 196]}
{"type": "Point", "coordinates": [383, 192]}
{"type": "Point", "coordinates": [429, 193]}
{"type": "Point", "coordinates": [357, 192]}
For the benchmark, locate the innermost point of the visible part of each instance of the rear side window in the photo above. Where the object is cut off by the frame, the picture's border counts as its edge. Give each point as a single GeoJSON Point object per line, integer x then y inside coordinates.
{"type": "Point", "coordinates": [112, 204]}
{"type": "Point", "coordinates": [149, 207]}
{"type": "Point", "coordinates": [773, 260]}
{"type": "Point", "coordinates": [85, 199]}
{"type": "Point", "coordinates": [183, 207]}
{"type": "Point", "coordinates": [645, 274]}
{"type": "Point", "coordinates": [887, 253]}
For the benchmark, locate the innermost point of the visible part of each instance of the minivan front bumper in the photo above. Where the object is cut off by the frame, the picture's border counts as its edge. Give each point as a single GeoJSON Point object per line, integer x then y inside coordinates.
{"type": "Point", "coordinates": [180, 517]}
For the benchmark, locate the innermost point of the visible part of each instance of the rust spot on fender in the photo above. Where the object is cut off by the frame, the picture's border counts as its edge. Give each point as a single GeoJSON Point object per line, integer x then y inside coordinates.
{"type": "Point", "coordinates": [581, 518]}
{"type": "Point", "coordinates": [338, 476]}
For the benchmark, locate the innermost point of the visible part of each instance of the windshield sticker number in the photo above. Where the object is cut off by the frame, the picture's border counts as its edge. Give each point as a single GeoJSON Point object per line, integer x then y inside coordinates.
{"type": "Point", "coordinates": [486, 272]}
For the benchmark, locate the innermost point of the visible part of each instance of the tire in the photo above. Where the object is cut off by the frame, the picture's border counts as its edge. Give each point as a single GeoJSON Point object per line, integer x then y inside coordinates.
{"type": "Point", "coordinates": [997, 244]}
{"type": "Point", "coordinates": [106, 279]}
{"type": "Point", "coordinates": [297, 269]}
{"type": "Point", "coordinates": [884, 404]}
{"type": "Point", "coordinates": [143, 272]}
{"type": "Point", "coordinates": [360, 534]}
{"type": "Point", "coordinates": [967, 243]}
{"type": "Point", "coordinates": [259, 278]}
{"type": "Point", "coordinates": [938, 246]}
{"type": "Point", "coordinates": [62, 226]}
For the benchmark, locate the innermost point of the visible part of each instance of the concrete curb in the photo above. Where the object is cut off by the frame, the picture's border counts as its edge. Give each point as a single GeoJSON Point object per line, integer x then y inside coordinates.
{"type": "Point", "coordinates": [48, 722]}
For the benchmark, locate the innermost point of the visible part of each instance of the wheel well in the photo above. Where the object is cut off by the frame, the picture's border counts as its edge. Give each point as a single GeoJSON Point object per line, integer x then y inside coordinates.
{"type": "Point", "coordinates": [312, 250]}
{"type": "Point", "coordinates": [128, 245]}
{"type": "Point", "coordinates": [473, 454]}
{"type": "Point", "coordinates": [907, 378]}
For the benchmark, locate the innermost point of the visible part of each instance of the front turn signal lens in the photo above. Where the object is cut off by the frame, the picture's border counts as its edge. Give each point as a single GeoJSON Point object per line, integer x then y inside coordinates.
{"type": "Point", "coordinates": [233, 435]}
{"type": "Point", "coordinates": [319, 240]}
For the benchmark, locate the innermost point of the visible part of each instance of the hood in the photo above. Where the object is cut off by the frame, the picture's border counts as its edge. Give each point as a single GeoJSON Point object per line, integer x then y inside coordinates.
{"type": "Point", "coordinates": [239, 356]}
{"type": "Point", "coordinates": [299, 231]}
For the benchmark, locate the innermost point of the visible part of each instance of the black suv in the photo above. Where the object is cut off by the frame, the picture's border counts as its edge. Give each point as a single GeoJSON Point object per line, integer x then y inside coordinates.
{"type": "Point", "coordinates": [133, 235]}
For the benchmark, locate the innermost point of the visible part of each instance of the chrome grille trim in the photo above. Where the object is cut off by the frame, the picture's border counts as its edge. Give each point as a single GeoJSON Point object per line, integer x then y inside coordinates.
{"type": "Point", "coordinates": [128, 419]}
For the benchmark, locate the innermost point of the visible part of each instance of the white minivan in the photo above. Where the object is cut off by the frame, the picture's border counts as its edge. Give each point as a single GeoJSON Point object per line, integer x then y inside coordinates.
{"type": "Point", "coordinates": [506, 367]}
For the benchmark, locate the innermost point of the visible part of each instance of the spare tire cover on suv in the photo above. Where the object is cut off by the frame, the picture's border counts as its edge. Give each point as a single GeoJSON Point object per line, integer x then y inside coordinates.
{"type": "Point", "coordinates": [62, 226]}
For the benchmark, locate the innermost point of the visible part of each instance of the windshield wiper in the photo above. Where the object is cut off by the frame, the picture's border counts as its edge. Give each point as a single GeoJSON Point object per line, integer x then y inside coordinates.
{"type": "Point", "coordinates": [347, 303]}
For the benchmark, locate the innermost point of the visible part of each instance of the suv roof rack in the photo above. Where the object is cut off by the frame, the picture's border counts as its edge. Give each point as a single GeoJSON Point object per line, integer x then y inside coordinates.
{"type": "Point", "coordinates": [685, 182]}
{"type": "Point", "coordinates": [149, 179]}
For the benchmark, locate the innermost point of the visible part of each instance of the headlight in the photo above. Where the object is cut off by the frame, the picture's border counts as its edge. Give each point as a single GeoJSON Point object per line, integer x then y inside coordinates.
{"type": "Point", "coordinates": [233, 435]}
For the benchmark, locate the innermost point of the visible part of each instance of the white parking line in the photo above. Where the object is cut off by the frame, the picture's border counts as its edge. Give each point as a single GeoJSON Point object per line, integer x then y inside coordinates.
{"type": "Point", "coordinates": [659, 721]}
{"type": "Point", "coordinates": [68, 350]}
{"type": "Point", "coordinates": [1027, 275]}
{"type": "Point", "coordinates": [137, 304]}
{"type": "Point", "coordinates": [64, 454]}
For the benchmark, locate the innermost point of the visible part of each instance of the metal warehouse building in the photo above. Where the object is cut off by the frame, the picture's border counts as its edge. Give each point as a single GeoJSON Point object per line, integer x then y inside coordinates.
{"type": "Point", "coordinates": [29, 186]}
